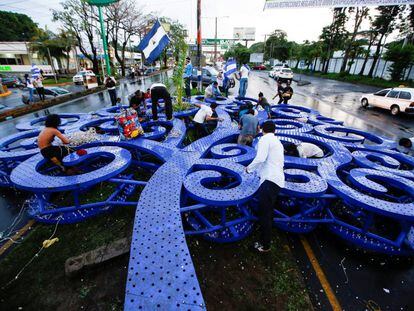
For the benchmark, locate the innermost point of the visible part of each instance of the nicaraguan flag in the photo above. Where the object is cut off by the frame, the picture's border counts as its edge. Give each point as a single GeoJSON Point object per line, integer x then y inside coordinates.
{"type": "Point", "coordinates": [230, 67]}
{"type": "Point", "coordinates": [154, 42]}
{"type": "Point", "coordinates": [35, 71]}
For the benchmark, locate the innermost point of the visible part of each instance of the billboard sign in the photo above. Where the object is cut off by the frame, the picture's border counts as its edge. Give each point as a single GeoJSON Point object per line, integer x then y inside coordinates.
{"type": "Point", "coordinates": [212, 42]}
{"type": "Point", "coordinates": [256, 58]}
{"type": "Point", "coordinates": [244, 33]}
{"type": "Point", "coordinates": [280, 4]}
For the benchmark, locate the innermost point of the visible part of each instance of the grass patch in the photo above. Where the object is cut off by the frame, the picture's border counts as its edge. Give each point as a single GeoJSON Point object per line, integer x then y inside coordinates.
{"type": "Point", "coordinates": [234, 277]}
{"type": "Point", "coordinates": [43, 285]}
{"type": "Point", "coordinates": [60, 80]}
{"type": "Point", "coordinates": [356, 79]}
{"type": "Point", "coordinates": [195, 91]}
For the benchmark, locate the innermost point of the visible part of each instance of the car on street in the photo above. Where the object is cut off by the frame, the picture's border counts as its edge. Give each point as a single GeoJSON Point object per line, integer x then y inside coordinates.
{"type": "Point", "coordinates": [79, 78]}
{"type": "Point", "coordinates": [259, 67]}
{"type": "Point", "coordinates": [149, 71]}
{"type": "Point", "coordinates": [284, 74]}
{"type": "Point", "coordinates": [209, 76]}
{"type": "Point", "coordinates": [276, 68]}
{"type": "Point", "coordinates": [12, 81]}
{"type": "Point", "coordinates": [395, 100]}
{"type": "Point", "coordinates": [50, 93]}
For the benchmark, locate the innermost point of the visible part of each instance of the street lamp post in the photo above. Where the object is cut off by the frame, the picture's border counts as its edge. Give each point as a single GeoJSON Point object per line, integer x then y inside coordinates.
{"type": "Point", "coordinates": [199, 69]}
{"type": "Point", "coordinates": [100, 4]}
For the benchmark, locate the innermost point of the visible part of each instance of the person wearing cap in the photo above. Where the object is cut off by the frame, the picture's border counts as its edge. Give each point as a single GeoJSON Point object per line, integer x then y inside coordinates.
{"type": "Point", "coordinates": [269, 162]}
{"type": "Point", "coordinates": [406, 145]}
{"type": "Point", "coordinates": [188, 72]}
{"type": "Point", "coordinates": [159, 91]}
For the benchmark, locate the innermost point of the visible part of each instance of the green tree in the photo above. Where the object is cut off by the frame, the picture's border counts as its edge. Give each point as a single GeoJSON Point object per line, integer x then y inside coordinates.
{"type": "Point", "coordinates": [384, 24]}
{"type": "Point", "coordinates": [333, 36]}
{"type": "Point", "coordinates": [239, 52]}
{"type": "Point", "coordinates": [402, 57]}
{"type": "Point", "coordinates": [16, 27]}
{"type": "Point", "coordinates": [406, 25]}
{"type": "Point", "coordinates": [277, 46]}
{"type": "Point", "coordinates": [257, 47]}
{"type": "Point", "coordinates": [356, 49]}
{"type": "Point", "coordinates": [177, 78]}
{"type": "Point", "coordinates": [370, 36]}
{"type": "Point", "coordinates": [177, 33]}
{"type": "Point", "coordinates": [359, 15]}
{"type": "Point", "coordinates": [79, 18]}
{"type": "Point", "coordinates": [59, 46]}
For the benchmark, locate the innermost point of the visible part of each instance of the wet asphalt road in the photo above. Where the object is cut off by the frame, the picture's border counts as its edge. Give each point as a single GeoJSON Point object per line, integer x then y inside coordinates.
{"type": "Point", "coordinates": [361, 281]}
{"type": "Point", "coordinates": [340, 101]}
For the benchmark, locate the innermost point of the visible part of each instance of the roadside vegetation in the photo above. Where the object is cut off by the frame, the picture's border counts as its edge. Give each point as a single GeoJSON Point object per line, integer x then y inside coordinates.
{"type": "Point", "coordinates": [381, 83]}
{"type": "Point", "coordinates": [355, 34]}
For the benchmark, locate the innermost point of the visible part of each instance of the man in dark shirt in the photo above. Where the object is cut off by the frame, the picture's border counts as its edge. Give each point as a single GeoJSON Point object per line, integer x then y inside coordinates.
{"type": "Point", "coordinates": [265, 104]}
{"type": "Point", "coordinates": [137, 102]}
{"type": "Point", "coordinates": [285, 92]}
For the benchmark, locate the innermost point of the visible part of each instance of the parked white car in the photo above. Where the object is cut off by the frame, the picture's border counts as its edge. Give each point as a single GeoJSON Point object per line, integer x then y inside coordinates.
{"type": "Point", "coordinates": [79, 78]}
{"type": "Point", "coordinates": [396, 100]}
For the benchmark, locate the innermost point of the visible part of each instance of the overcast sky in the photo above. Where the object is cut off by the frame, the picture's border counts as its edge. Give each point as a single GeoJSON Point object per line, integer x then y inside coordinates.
{"type": "Point", "coordinates": [300, 24]}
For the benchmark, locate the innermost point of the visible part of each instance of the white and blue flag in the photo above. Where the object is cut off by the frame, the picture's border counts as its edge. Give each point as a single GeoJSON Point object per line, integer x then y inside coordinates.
{"type": "Point", "coordinates": [35, 71]}
{"type": "Point", "coordinates": [230, 67]}
{"type": "Point", "coordinates": [154, 42]}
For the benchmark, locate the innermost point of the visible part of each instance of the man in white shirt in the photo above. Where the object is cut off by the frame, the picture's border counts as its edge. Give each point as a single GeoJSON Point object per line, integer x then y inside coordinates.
{"type": "Point", "coordinates": [244, 76]}
{"type": "Point", "coordinates": [269, 161]}
{"type": "Point", "coordinates": [159, 91]}
{"type": "Point", "coordinates": [303, 150]}
{"type": "Point", "coordinates": [203, 115]}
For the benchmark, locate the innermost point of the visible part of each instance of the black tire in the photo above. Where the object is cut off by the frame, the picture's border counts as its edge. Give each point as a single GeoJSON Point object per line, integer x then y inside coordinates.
{"type": "Point", "coordinates": [395, 110]}
{"type": "Point", "coordinates": [364, 103]}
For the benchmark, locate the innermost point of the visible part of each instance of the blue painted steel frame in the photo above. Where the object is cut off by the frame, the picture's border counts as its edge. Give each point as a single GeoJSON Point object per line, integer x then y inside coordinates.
{"type": "Point", "coordinates": [361, 178]}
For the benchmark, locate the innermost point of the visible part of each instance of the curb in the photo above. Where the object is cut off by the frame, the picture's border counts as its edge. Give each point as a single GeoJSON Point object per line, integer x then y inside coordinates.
{"type": "Point", "coordinates": [5, 94]}
{"type": "Point", "coordinates": [25, 109]}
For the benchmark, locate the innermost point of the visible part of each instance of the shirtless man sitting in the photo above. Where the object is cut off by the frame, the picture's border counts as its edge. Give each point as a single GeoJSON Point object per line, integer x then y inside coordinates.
{"type": "Point", "coordinates": [46, 137]}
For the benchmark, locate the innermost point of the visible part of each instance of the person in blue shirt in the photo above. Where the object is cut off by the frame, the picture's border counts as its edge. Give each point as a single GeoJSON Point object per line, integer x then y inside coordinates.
{"type": "Point", "coordinates": [212, 91]}
{"type": "Point", "coordinates": [187, 76]}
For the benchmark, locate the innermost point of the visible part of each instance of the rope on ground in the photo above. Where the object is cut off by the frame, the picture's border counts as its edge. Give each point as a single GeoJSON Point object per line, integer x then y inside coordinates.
{"type": "Point", "coordinates": [372, 305]}
{"type": "Point", "coordinates": [34, 256]}
{"type": "Point", "coordinates": [344, 269]}
{"type": "Point", "coordinates": [9, 231]}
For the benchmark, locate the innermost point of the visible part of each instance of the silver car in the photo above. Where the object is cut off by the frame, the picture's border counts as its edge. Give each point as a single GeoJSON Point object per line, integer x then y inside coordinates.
{"type": "Point", "coordinates": [50, 92]}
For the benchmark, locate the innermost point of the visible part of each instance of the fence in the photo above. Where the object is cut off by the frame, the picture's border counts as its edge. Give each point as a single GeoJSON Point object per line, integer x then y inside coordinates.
{"type": "Point", "coordinates": [382, 69]}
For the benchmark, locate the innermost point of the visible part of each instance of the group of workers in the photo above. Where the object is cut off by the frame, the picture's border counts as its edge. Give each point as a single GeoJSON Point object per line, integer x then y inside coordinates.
{"type": "Point", "coordinates": [269, 159]}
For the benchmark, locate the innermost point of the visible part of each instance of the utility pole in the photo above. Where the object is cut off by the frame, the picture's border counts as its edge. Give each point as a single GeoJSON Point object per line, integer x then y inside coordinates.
{"type": "Point", "coordinates": [215, 42]}
{"type": "Point", "coordinates": [199, 69]}
{"type": "Point", "coordinates": [100, 4]}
